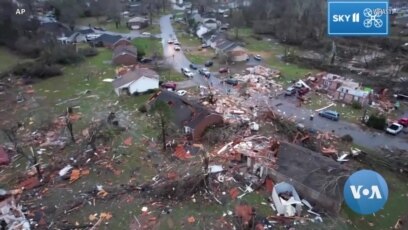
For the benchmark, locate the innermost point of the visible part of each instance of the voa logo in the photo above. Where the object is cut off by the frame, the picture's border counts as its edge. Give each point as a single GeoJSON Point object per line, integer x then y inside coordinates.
{"type": "Point", "coordinates": [365, 192]}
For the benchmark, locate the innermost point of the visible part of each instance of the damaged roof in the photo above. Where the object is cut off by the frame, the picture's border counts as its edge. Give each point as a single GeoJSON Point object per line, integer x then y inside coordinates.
{"type": "Point", "coordinates": [134, 75]}
{"type": "Point", "coordinates": [293, 161]}
{"type": "Point", "coordinates": [186, 113]}
{"type": "Point", "coordinates": [120, 50]}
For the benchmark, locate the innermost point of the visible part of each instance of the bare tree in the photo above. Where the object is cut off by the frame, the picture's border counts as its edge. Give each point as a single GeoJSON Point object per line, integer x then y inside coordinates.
{"type": "Point", "coordinates": [11, 135]}
{"type": "Point", "coordinates": [163, 113]}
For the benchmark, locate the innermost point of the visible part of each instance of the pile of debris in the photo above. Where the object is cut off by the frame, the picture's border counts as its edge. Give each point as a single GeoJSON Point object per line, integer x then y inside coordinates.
{"type": "Point", "coordinates": [264, 71]}
{"type": "Point", "coordinates": [232, 110]}
{"type": "Point", "coordinates": [11, 214]}
{"type": "Point", "coordinates": [258, 83]}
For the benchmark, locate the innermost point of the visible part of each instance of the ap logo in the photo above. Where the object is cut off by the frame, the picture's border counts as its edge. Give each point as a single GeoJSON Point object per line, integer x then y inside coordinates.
{"type": "Point", "coordinates": [365, 192]}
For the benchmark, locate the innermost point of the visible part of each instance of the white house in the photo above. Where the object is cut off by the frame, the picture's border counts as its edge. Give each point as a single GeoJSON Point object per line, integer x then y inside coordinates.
{"type": "Point", "coordinates": [137, 80]}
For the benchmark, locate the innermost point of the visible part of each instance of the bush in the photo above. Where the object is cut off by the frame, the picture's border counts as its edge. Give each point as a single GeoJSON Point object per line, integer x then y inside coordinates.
{"type": "Point", "coordinates": [143, 109]}
{"type": "Point", "coordinates": [347, 138]}
{"type": "Point", "coordinates": [377, 122]}
{"type": "Point", "coordinates": [37, 70]}
{"type": "Point", "coordinates": [88, 52]}
{"type": "Point", "coordinates": [64, 55]}
{"type": "Point", "coordinates": [356, 105]}
{"type": "Point", "coordinates": [27, 47]}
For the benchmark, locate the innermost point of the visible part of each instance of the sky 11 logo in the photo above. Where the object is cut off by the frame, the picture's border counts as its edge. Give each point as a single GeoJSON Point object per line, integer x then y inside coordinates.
{"type": "Point", "coordinates": [365, 192]}
{"type": "Point", "coordinates": [358, 17]}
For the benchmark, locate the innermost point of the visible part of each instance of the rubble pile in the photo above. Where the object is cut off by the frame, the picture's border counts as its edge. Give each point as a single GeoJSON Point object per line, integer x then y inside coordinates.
{"type": "Point", "coordinates": [264, 71]}
{"type": "Point", "coordinates": [10, 212]}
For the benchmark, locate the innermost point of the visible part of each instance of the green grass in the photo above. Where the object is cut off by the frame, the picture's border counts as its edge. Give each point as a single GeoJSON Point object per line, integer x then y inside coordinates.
{"type": "Point", "coordinates": [270, 51]}
{"type": "Point", "coordinates": [347, 112]}
{"type": "Point", "coordinates": [153, 29]}
{"type": "Point", "coordinates": [149, 45]}
{"type": "Point", "coordinates": [102, 22]}
{"type": "Point", "coordinates": [170, 75]}
{"type": "Point", "coordinates": [8, 59]}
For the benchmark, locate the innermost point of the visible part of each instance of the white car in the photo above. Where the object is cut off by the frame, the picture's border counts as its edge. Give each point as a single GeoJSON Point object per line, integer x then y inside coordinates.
{"type": "Point", "coordinates": [258, 57]}
{"type": "Point", "coordinates": [187, 72]}
{"type": "Point", "coordinates": [177, 43]}
{"type": "Point", "coordinates": [177, 48]}
{"type": "Point", "coordinates": [147, 34]}
{"type": "Point", "coordinates": [170, 41]}
{"type": "Point", "coordinates": [394, 128]}
{"type": "Point", "coordinates": [181, 92]}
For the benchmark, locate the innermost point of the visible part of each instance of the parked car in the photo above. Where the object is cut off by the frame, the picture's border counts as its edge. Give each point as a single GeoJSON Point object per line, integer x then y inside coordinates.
{"type": "Point", "coordinates": [177, 48]}
{"type": "Point", "coordinates": [170, 41]}
{"type": "Point", "coordinates": [90, 37]}
{"type": "Point", "coordinates": [403, 121]}
{"type": "Point", "coordinates": [290, 91]}
{"type": "Point", "coordinates": [330, 114]}
{"type": "Point", "coordinates": [302, 91]}
{"type": "Point", "coordinates": [187, 72]}
{"type": "Point", "coordinates": [223, 70]}
{"type": "Point", "coordinates": [146, 60]}
{"type": "Point", "coordinates": [99, 28]}
{"type": "Point", "coordinates": [205, 72]}
{"type": "Point", "coordinates": [204, 46]}
{"type": "Point", "coordinates": [192, 66]}
{"type": "Point", "coordinates": [169, 85]}
{"type": "Point", "coordinates": [258, 57]}
{"type": "Point", "coordinates": [394, 128]}
{"type": "Point", "coordinates": [181, 92]}
{"type": "Point", "coordinates": [177, 43]}
{"type": "Point", "coordinates": [232, 82]}
{"type": "Point", "coordinates": [208, 63]}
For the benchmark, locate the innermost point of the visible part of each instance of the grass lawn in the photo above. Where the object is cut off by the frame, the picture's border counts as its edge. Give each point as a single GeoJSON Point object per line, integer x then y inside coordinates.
{"type": "Point", "coordinates": [271, 51]}
{"type": "Point", "coordinates": [153, 29]}
{"type": "Point", "coordinates": [102, 22]}
{"type": "Point", "coordinates": [347, 112]}
{"type": "Point", "coordinates": [149, 45]}
{"type": "Point", "coordinates": [170, 75]}
{"type": "Point", "coordinates": [8, 59]}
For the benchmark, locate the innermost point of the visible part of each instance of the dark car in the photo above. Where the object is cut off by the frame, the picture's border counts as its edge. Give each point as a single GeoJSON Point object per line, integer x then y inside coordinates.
{"type": "Point", "coordinates": [232, 82]}
{"type": "Point", "coordinates": [145, 60]}
{"type": "Point", "coordinates": [223, 70]}
{"type": "Point", "coordinates": [204, 46]}
{"type": "Point", "coordinates": [99, 28]}
{"type": "Point", "coordinates": [329, 114]}
{"type": "Point", "coordinates": [192, 66]}
{"type": "Point", "coordinates": [208, 63]}
{"type": "Point", "coordinates": [169, 85]}
{"type": "Point", "coordinates": [302, 91]}
{"type": "Point", "coordinates": [205, 72]}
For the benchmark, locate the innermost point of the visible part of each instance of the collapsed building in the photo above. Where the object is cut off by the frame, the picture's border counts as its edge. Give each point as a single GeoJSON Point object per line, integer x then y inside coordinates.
{"type": "Point", "coordinates": [192, 118]}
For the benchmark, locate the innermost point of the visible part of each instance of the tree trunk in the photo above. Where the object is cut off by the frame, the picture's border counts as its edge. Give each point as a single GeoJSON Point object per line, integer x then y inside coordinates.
{"type": "Point", "coordinates": [163, 127]}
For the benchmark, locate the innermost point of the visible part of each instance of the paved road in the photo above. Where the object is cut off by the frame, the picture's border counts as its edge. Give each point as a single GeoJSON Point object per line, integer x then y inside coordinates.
{"type": "Point", "coordinates": [367, 138]}
{"type": "Point", "coordinates": [178, 60]}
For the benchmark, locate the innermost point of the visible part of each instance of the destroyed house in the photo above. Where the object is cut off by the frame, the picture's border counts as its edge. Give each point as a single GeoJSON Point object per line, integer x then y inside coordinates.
{"type": "Point", "coordinates": [194, 119]}
{"type": "Point", "coordinates": [316, 178]}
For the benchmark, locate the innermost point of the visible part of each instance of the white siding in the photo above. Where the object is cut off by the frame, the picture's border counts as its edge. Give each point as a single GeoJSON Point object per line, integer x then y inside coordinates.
{"type": "Point", "coordinates": [143, 84]}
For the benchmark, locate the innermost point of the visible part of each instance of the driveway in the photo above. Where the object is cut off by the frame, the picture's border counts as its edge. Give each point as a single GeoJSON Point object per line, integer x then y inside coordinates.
{"type": "Point", "coordinates": [367, 138]}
